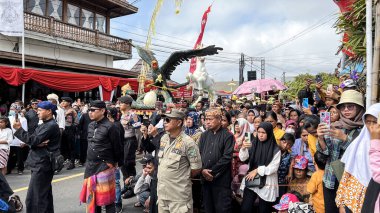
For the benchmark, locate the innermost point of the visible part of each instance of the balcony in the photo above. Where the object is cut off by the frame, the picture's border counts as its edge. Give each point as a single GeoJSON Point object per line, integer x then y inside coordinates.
{"type": "Point", "coordinates": [55, 28]}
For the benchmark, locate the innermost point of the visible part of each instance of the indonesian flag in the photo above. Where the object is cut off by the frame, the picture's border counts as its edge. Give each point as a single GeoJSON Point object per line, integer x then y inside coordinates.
{"type": "Point", "coordinates": [193, 62]}
{"type": "Point", "coordinates": [12, 17]}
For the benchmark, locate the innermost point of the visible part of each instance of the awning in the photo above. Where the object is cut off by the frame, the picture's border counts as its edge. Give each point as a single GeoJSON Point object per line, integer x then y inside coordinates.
{"type": "Point", "coordinates": [62, 81]}
{"type": "Point", "coordinates": [69, 81]}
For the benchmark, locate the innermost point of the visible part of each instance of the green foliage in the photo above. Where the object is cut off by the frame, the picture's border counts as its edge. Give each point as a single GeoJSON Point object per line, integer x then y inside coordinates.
{"type": "Point", "coordinates": [353, 23]}
{"type": "Point", "coordinates": [300, 81]}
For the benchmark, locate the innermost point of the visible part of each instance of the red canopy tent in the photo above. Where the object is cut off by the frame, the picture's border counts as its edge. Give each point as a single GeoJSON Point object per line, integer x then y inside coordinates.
{"type": "Point", "coordinates": [67, 81]}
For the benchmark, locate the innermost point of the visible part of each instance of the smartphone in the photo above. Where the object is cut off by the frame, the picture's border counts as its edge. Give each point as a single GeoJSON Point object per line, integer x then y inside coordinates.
{"type": "Point", "coordinates": [325, 118]}
{"type": "Point", "coordinates": [318, 78]}
{"type": "Point", "coordinates": [305, 103]}
{"type": "Point", "coordinates": [247, 137]}
{"type": "Point", "coordinates": [330, 87]}
{"type": "Point", "coordinates": [16, 116]}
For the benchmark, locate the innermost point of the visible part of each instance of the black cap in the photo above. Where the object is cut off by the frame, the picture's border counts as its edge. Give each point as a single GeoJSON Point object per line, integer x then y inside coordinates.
{"type": "Point", "coordinates": [147, 159]}
{"type": "Point", "coordinates": [68, 99]}
{"type": "Point", "coordinates": [127, 99]}
{"type": "Point", "coordinates": [98, 104]}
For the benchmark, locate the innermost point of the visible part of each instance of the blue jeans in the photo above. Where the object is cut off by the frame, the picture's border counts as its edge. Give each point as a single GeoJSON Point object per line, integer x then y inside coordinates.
{"type": "Point", "coordinates": [142, 197]}
{"type": "Point", "coordinates": [118, 188]}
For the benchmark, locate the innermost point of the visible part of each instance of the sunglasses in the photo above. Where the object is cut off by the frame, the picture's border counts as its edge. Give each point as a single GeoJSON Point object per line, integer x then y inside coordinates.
{"type": "Point", "coordinates": [350, 107]}
{"type": "Point", "coordinates": [167, 120]}
{"type": "Point", "coordinates": [92, 110]}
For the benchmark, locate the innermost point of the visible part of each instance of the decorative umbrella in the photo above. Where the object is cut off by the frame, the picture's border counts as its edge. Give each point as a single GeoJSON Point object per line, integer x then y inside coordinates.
{"type": "Point", "coordinates": [259, 86]}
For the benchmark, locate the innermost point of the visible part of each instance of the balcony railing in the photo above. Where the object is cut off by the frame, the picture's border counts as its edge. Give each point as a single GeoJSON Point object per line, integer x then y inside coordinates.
{"type": "Point", "coordinates": [53, 27]}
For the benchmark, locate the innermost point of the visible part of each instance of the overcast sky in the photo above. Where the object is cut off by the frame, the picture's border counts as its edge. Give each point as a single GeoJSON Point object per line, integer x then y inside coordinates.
{"type": "Point", "coordinates": [256, 28]}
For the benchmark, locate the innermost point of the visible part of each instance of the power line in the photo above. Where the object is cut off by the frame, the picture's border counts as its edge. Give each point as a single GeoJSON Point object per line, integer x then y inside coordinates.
{"type": "Point", "coordinates": [302, 33]}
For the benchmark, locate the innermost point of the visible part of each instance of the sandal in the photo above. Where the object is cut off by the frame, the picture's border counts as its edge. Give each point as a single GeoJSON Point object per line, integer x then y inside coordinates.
{"type": "Point", "coordinates": [138, 204]}
{"type": "Point", "coordinates": [17, 203]}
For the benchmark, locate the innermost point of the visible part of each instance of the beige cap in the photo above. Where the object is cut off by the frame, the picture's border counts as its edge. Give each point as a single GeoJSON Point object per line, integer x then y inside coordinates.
{"type": "Point", "coordinates": [174, 113]}
{"type": "Point", "coordinates": [351, 96]}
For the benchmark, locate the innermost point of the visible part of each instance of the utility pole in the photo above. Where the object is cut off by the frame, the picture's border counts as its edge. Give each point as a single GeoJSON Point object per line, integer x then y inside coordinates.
{"type": "Point", "coordinates": [283, 77]}
{"type": "Point", "coordinates": [241, 69]}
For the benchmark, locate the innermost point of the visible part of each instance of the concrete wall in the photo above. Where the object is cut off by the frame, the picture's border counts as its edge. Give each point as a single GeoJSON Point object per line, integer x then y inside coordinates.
{"type": "Point", "coordinates": [56, 51]}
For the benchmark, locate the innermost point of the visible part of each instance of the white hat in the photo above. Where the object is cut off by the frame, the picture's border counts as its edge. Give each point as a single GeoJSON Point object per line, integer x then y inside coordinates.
{"type": "Point", "coordinates": [53, 96]}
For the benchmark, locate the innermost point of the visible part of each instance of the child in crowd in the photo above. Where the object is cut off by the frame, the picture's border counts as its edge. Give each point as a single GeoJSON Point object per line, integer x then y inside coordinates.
{"type": "Point", "coordinates": [300, 180]}
{"type": "Point", "coordinates": [315, 185]}
{"type": "Point", "coordinates": [285, 200]}
{"type": "Point", "coordinates": [284, 170]}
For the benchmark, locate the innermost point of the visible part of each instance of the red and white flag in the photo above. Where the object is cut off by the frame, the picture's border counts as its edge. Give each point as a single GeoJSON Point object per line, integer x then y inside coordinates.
{"type": "Point", "coordinates": [193, 62]}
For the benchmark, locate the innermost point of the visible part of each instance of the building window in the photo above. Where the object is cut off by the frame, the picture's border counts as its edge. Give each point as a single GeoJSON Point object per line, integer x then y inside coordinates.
{"type": "Point", "coordinates": [100, 23]}
{"type": "Point", "coordinates": [55, 9]}
{"type": "Point", "coordinates": [87, 19]}
{"type": "Point", "coordinates": [35, 6]}
{"type": "Point", "coordinates": [73, 14]}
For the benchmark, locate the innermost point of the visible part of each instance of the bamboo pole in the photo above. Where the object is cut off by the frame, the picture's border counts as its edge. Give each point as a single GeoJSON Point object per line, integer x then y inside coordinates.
{"type": "Point", "coordinates": [376, 58]}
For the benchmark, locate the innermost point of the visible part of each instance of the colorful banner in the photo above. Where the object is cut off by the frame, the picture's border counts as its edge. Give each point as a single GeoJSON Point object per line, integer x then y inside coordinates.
{"type": "Point", "coordinates": [12, 17]}
{"type": "Point", "coordinates": [193, 63]}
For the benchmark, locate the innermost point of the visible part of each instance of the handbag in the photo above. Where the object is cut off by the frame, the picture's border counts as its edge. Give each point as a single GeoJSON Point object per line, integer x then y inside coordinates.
{"type": "Point", "coordinates": [255, 182]}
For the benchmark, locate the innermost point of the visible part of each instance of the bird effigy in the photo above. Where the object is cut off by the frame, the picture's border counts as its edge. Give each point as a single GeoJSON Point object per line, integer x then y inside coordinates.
{"type": "Point", "coordinates": [202, 82]}
{"type": "Point", "coordinates": [162, 74]}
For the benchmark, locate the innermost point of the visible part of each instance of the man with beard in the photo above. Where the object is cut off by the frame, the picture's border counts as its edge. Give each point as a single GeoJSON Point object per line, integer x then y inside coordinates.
{"type": "Point", "coordinates": [216, 148]}
{"type": "Point", "coordinates": [44, 145]}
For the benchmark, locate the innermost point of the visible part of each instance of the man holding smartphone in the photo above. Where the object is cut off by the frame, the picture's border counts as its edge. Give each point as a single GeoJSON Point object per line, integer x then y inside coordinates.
{"type": "Point", "coordinates": [44, 143]}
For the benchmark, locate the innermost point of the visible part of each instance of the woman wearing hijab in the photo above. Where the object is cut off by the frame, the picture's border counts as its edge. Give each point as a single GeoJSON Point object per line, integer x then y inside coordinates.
{"type": "Point", "coordinates": [264, 157]}
{"type": "Point", "coordinates": [271, 117]}
{"type": "Point", "coordinates": [192, 128]}
{"type": "Point", "coordinates": [357, 173]}
{"type": "Point", "coordinates": [335, 140]}
{"type": "Point", "coordinates": [372, 198]}
{"type": "Point", "coordinates": [240, 128]}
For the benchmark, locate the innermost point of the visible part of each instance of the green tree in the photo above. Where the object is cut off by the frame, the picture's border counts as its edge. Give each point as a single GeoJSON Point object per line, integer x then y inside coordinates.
{"type": "Point", "coordinates": [300, 81]}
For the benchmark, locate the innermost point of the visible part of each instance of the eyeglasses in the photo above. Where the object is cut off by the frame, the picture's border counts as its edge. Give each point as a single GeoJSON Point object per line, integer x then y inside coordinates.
{"type": "Point", "coordinates": [34, 103]}
{"type": "Point", "coordinates": [92, 110]}
{"type": "Point", "coordinates": [350, 107]}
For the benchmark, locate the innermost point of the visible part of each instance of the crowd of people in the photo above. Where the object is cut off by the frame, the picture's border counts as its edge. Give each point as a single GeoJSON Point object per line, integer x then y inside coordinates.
{"type": "Point", "coordinates": [227, 156]}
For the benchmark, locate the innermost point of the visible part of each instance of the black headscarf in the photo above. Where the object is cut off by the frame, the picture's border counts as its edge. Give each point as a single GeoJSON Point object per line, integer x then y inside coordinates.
{"type": "Point", "coordinates": [262, 152]}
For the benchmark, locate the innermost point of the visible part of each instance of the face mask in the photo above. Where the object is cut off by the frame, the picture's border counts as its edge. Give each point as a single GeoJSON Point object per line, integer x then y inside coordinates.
{"type": "Point", "coordinates": [12, 113]}
{"type": "Point", "coordinates": [290, 130]}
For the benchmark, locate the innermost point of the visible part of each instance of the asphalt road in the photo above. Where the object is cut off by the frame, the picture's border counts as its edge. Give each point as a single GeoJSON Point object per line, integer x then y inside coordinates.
{"type": "Point", "coordinates": [66, 188]}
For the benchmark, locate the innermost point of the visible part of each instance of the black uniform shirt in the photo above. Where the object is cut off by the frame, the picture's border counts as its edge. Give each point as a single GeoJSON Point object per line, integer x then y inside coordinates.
{"type": "Point", "coordinates": [216, 152]}
{"type": "Point", "coordinates": [104, 146]}
{"type": "Point", "coordinates": [39, 157]}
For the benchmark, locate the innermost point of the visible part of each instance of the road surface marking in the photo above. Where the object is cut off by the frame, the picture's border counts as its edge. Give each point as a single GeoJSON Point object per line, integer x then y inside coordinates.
{"type": "Point", "coordinates": [54, 181]}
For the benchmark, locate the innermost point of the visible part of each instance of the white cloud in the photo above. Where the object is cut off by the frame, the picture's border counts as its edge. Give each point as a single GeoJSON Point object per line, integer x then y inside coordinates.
{"type": "Point", "coordinates": [244, 26]}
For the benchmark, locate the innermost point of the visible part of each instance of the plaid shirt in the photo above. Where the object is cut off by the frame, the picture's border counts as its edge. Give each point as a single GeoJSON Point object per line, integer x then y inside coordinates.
{"type": "Point", "coordinates": [334, 149]}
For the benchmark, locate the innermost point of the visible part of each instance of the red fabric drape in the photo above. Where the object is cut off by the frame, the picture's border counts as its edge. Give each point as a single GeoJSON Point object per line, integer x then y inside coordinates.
{"type": "Point", "coordinates": [62, 81]}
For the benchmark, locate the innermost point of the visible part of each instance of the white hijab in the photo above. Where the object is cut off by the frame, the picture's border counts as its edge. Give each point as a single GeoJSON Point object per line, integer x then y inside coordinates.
{"type": "Point", "coordinates": [356, 156]}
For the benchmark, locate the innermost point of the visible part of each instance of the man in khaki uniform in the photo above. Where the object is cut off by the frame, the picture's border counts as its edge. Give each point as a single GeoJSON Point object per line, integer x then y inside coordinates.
{"type": "Point", "coordinates": [179, 160]}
